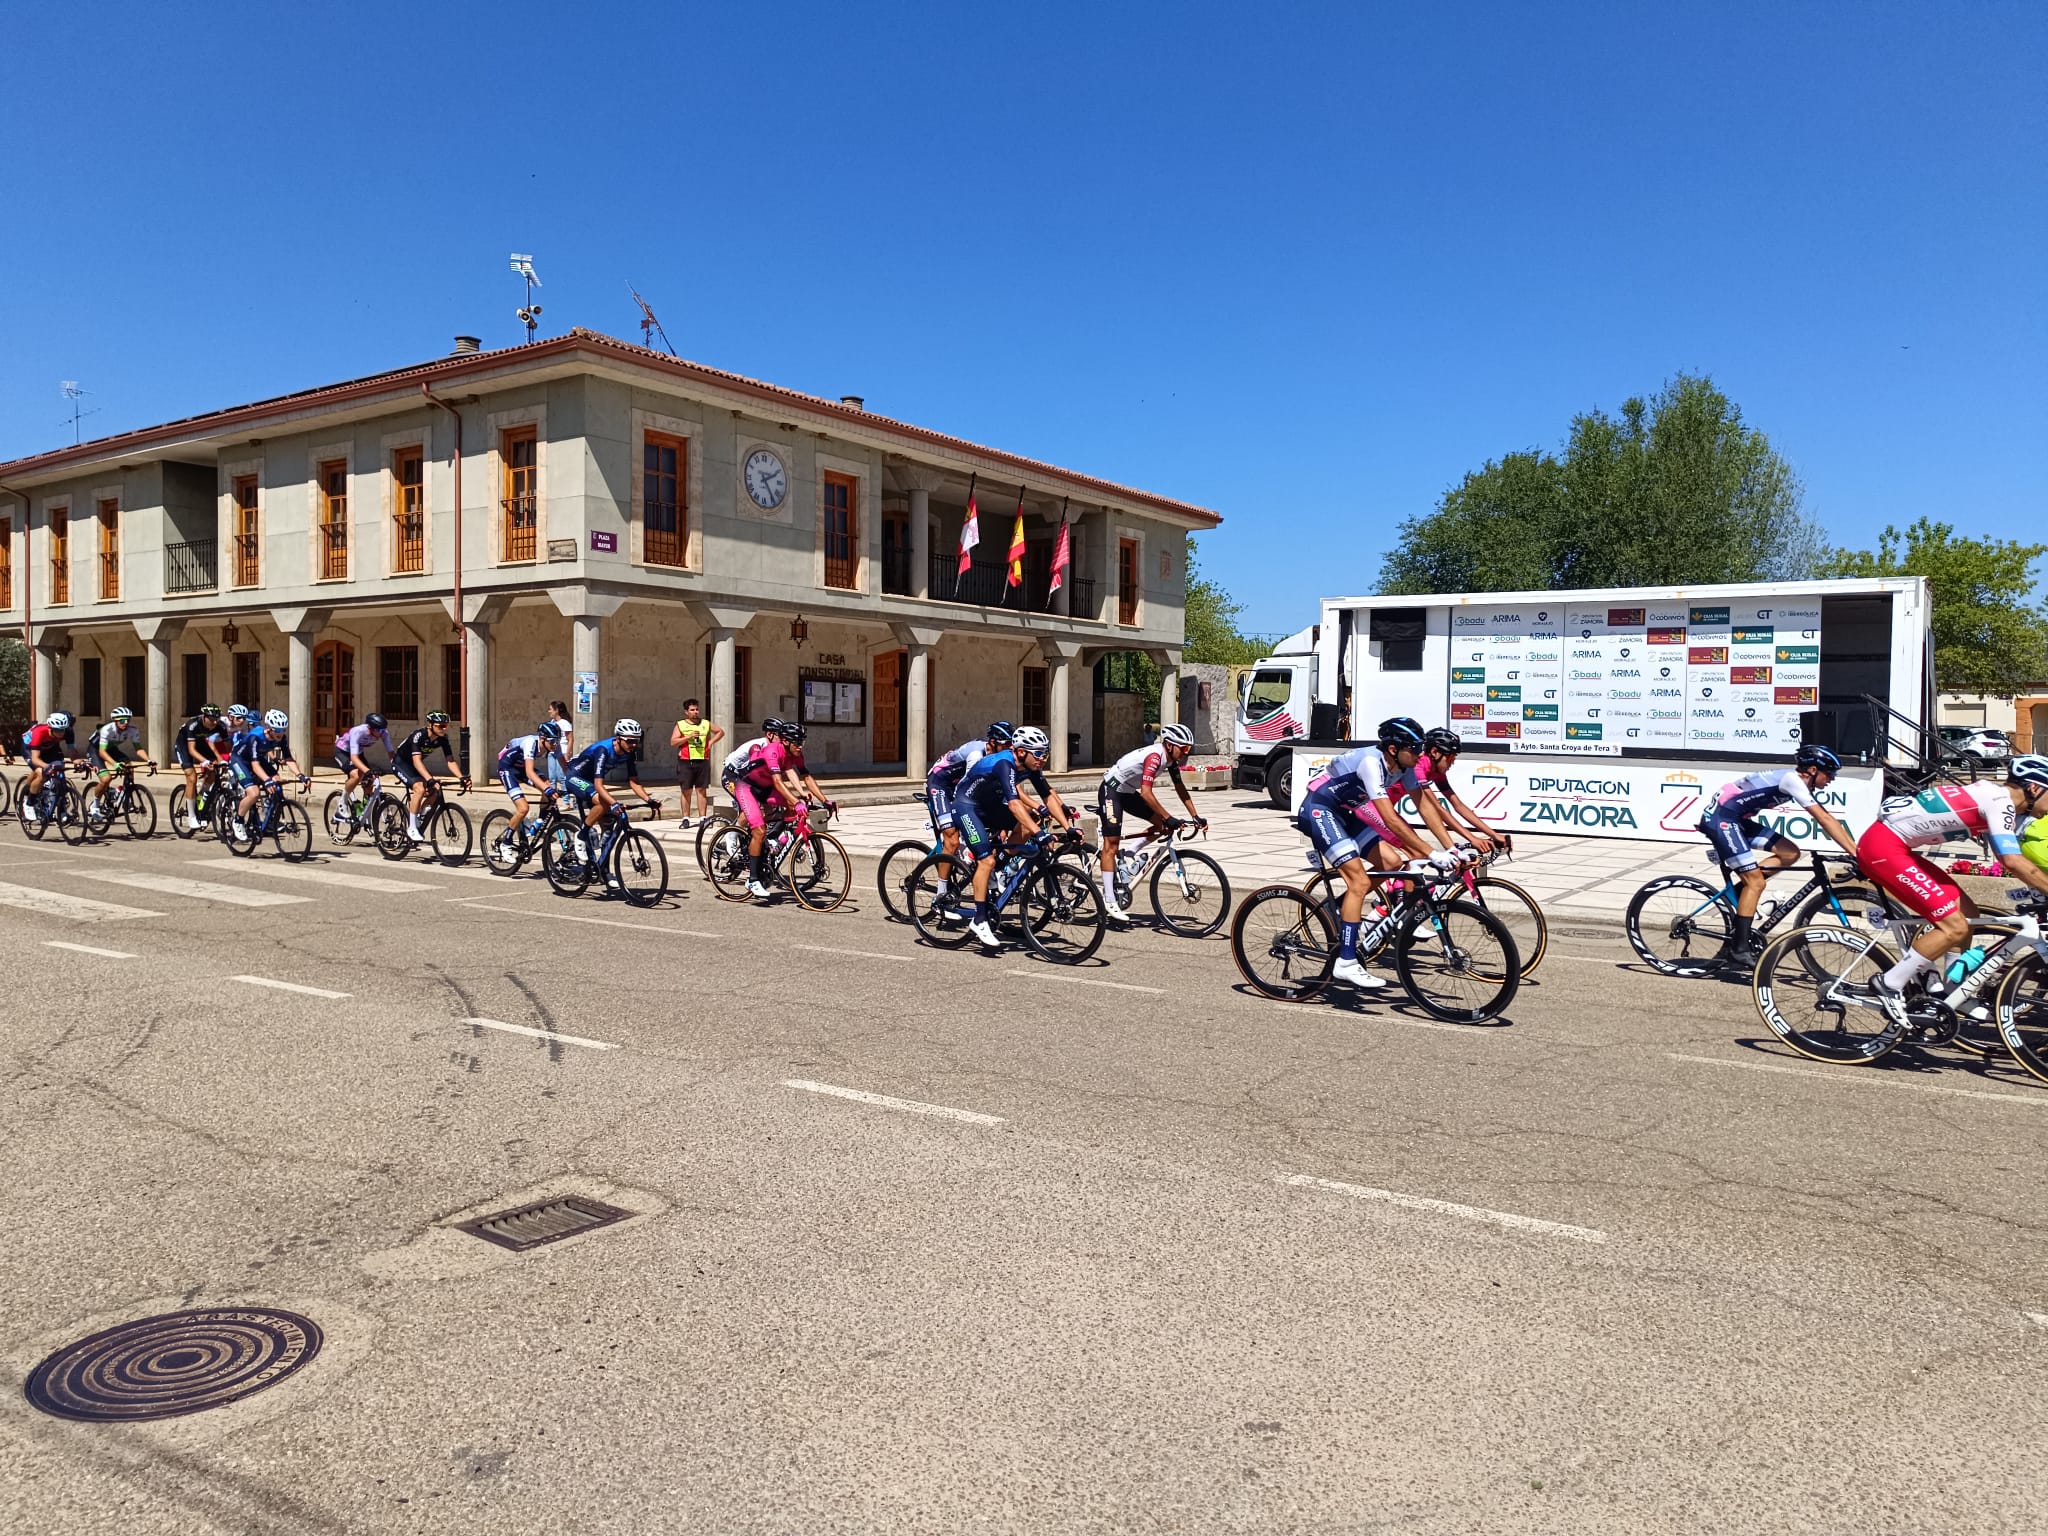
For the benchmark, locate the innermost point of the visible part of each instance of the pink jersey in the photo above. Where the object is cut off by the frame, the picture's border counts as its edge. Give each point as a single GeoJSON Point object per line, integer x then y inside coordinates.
{"type": "Point", "coordinates": [767, 762]}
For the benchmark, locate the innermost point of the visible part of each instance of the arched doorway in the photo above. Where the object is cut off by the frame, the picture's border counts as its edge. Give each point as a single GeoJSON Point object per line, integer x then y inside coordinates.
{"type": "Point", "coordinates": [334, 686]}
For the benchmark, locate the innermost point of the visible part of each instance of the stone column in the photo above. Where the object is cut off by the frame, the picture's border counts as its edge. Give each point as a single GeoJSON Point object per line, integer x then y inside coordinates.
{"type": "Point", "coordinates": [920, 482]}
{"type": "Point", "coordinates": [480, 614]}
{"type": "Point", "coordinates": [300, 627]}
{"type": "Point", "coordinates": [158, 636]}
{"type": "Point", "coordinates": [586, 610]}
{"type": "Point", "coordinates": [1059, 658]}
{"type": "Point", "coordinates": [1169, 685]}
{"type": "Point", "coordinates": [722, 626]}
{"type": "Point", "coordinates": [45, 679]}
{"type": "Point", "coordinates": [919, 641]}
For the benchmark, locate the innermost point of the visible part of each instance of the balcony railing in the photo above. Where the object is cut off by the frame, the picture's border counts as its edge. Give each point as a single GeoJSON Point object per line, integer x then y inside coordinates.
{"type": "Point", "coordinates": [662, 536]}
{"type": "Point", "coordinates": [1081, 603]}
{"type": "Point", "coordinates": [333, 551]}
{"type": "Point", "coordinates": [60, 581]}
{"type": "Point", "coordinates": [248, 560]}
{"type": "Point", "coordinates": [110, 574]}
{"type": "Point", "coordinates": [988, 585]}
{"type": "Point", "coordinates": [190, 567]}
{"type": "Point", "coordinates": [896, 573]}
{"type": "Point", "coordinates": [522, 519]}
{"type": "Point", "coordinates": [412, 545]}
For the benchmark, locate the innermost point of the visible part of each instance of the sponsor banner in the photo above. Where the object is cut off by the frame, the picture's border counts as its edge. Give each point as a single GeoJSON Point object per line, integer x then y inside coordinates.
{"type": "Point", "coordinates": [1502, 730]}
{"type": "Point", "coordinates": [1740, 675]}
{"type": "Point", "coordinates": [1797, 655]}
{"type": "Point", "coordinates": [1537, 712]}
{"type": "Point", "coordinates": [1468, 711]}
{"type": "Point", "coordinates": [1706, 656]}
{"type": "Point", "coordinates": [1468, 674]}
{"type": "Point", "coordinates": [1804, 698]}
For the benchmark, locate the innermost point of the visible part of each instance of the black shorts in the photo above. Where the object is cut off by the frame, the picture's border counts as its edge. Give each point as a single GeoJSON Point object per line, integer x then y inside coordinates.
{"type": "Point", "coordinates": [185, 757]}
{"type": "Point", "coordinates": [341, 761]}
{"type": "Point", "coordinates": [693, 773]}
{"type": "Point", "coordinates": [1116, 804]}
{"type": "Point", "coordinates": [407, 776]}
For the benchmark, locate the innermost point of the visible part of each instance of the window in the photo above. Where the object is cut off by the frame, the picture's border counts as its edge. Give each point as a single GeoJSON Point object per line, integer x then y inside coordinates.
{"type": "Point", "coordinates": [451, 680]}
{"type": "Point", "coordinates": [665, 477]}
{"type": "Point", "coordinates": [6, 562]}
{"type": "Point", "coordinates": [249, 679]}
{"type": "Point", "coordinates": [134, 686]}
{"type": "Point", "coordinates": [195, 682]}
{"type": "Point", "coordinates": [1127, 581]}
{"type": "Point", "coordinates": [60, 554]}
{"type": "Point", "coordinates": [110, 548]}
{"type": "Point", "coordinates": [248, 568]}
{"type": "Point", "coordinates": [334, 687]}
{"type": "Point", "coordinates": [842, 496]}
{"type": "Point", "coordinates": [520, 449]}
{"type": "Point", "coordinates": [89, 686]}
{"type": "Point", "coordinates": [1033, 707]}
{"type": "Point", "coordinates": [1268, 695]}
{"type": "Point", "coordinates": [398, 681]}
{"type": "Point", "coordinates": [409, 510]}
{"type": "Point", "coordinates": [334, 520]}
{"type": "Point", "coordinates": [896, 572]}
{"type": "Point", "coordinates": [1399, 632]}
{"type": "Point", "coordinates": [742, 680]}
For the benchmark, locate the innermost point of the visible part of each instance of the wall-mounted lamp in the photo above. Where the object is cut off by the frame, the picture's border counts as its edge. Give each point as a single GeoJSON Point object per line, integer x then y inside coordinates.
{"type": "Point", "coordinates": [229, 634]}
{"type": "Point", "coordinates": [799, 631]}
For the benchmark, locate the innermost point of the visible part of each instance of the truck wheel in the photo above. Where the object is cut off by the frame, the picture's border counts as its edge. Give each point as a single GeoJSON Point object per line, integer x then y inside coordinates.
{"type": "Point", "coordinates": [1280, 781]}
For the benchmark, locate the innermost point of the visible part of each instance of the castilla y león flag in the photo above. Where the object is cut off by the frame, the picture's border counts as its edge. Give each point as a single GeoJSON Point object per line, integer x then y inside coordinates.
{"type": "Point", "coordinates": [1062, 555]}
{"type": "Point", "coordinates": [1016, 578]}
{"type": "Point", "coordinates": [970, 531]}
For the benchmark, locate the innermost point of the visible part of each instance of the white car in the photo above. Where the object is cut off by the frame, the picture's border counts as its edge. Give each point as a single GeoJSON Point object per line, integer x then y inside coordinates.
{"type": "Point", "coordinates": [1984, 745]}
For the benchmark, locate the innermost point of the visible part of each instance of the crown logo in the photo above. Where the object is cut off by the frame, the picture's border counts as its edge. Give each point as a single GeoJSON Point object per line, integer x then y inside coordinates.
{"type": "Point", "coordinates": [1681, 777]}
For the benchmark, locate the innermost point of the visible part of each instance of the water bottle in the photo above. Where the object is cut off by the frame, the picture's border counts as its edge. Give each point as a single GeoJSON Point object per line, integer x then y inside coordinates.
{"type": "Point", "coordinates": [1971, 959]}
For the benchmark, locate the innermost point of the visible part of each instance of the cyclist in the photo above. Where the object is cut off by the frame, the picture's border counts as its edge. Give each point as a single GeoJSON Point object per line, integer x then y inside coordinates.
{"type": "Point", "coordinates": [758, 778]}
{"type": "Point", "coordinates": [409, 762]}
{"type": "Point", "coordinates": [990, 804]}
{"type": "Point", "coordinates": [1991, 813]}
{"type": "Point", "coordinates": [946, 774]}
{"type": "Point", "coordinates": [111, 747]}
{"type": "Point", "coordinates": [258, 755]}
{"type": "Point", "coordinates": [46, 746]}
{"type": "Point", "coordinates": [586, 771]}
{"type": "Point", "coordinates": [1333, 815]}
{"type": "Point", "coordinates": [693, 738]}
{"type": "Point", "coordinates": [1440, 749]}
{"type": "Point", "coordinates": [348, 752]}
{"type": "Point", "coordinates": [1127, 790]}
{"type": "Point", "coordinates": [523, 761]}
{"type": "Point", "coordinates": [1750, 850]}
{"type": "Point", "coordinates": [199, 743]}
{"type": "Point", "coordinates": [793, 734]}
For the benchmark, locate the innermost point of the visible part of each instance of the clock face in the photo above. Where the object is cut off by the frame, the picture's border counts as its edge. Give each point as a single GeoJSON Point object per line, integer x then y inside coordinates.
{"type": "Point", "coordinates": [767, 481]}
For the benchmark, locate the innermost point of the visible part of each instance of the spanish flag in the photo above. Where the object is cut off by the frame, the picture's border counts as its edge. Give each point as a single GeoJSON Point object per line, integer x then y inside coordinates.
{"type": "Point", "coordinates": [1017, 544]}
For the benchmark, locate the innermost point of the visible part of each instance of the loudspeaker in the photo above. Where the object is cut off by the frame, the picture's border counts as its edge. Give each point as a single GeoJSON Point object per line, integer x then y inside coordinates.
{"type": "Point", "coordinates": [1820, 728]}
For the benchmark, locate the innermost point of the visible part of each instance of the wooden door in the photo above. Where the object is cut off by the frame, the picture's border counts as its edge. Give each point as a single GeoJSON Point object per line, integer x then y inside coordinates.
{"type": "Point", "coordinates": [334, 686]}
{"type": "Point", "coordinates": [888, 711]}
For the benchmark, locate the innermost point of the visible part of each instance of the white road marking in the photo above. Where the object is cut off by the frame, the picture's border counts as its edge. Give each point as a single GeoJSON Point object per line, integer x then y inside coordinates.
{"type": "Point", "coordinates": [1474, 1030]}
{"type": "Point", "coordinates": [80, 909]}
{"type": "Point", "coordinates": [198, 890]}
{"type": "Point", "coordinates": [911, 1106]}
{"type": "Point", "coordinates": [2038, 1319]}
{"type": "Point", "coordinates": [858, 954]}
{"type": "Point", "coordinates": [1589, 959]}
{"type": "Point", "coordinates": [288, 986]}
{"type": "Point", "coordinates": [458, 871]}
{"type": "Point", "coordinates": [1447, 1208]}
{"type": "Point", "coordinates": [315, 873]}
{"type": "Point", "coordinates": [1083, 981]}
{"type": "Point", "coordinates": [541, 1034]}
{"type": "Point", "coordinates": [87, 949]}
{"type": "Point", "coordinates": [601, 922]}
{"type": "Point", "coordinates": [1849, 1074]}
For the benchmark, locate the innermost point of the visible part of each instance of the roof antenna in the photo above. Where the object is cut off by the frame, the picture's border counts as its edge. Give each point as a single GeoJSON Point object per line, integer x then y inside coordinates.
{"type": "Point", "coordinates": [71, 393]}
{"type": "Point", "coordinates": [529, 312]}
{"type": "Point", "coordinates": [649, 326]}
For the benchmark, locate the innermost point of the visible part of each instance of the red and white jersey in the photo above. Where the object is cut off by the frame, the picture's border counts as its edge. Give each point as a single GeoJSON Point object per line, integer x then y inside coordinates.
{"type": "Point", "coordinates": [1140, 767]}
{"type": "Point", "coordinates": [1945, 813]}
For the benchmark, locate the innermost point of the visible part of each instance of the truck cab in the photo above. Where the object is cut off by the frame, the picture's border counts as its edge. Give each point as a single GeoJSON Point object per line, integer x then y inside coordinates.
{"type": "Point", "coordinates": [1274, 712]}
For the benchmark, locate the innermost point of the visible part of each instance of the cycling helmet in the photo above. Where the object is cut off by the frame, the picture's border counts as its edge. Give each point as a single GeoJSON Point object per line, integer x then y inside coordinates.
{"type": "Point", "coordinates": [629, 727]}
{"type": "Point", "coordinates": [774, 725]}
{"type": "Point", "coordinates": [1031, 739]}
{"type": "Point", "coordinates": [1176, 735]}
{"type": "Point", "coordinates": [276, 720]}
{"type": "Point", "coordinates": [59, 721]}
{"type": "Point", "coordinates": [1001, 733]}
{"type": "Point", "coordinates": [549, 730]}
{"type": "Point", "coordinates": [794, 732]}
{"type": "Point", "coordinates": [1444, 739]}
{"type": "Point", "coordinates": [209, 711]}
{"type": "Point", "coordinates": [121, 712]}
{"type": "Point", "coordinates": [1814, 755]}
{"type": "Point", "coordinates": [437, 717]}
{"type": "Point", "coordinates": [238, 711]}
{"type": "Point", "coordinates": [2029, 768]}
{"type": "Point", "coordinates": [1401, 731]}
{"type": "Point", "coordinates": [375, 721]}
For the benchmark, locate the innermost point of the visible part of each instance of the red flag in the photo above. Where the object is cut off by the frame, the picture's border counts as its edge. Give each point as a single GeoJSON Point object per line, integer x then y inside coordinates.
{"type": "Point", "coordinates": [1062, 556]}
{"type": "Point", "coordinates": [970, 531]}
{"type": "Point", "coordinates": [1017, 545]}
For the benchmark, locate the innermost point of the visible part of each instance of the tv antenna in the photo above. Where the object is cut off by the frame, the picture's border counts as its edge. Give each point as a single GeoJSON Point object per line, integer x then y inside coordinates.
{"type": "Point", "coordinates": [649, 326]}
{"type": "Point", "coordinates": [71, 393]}
{"type": "Point", "coordinates": [529, 312]}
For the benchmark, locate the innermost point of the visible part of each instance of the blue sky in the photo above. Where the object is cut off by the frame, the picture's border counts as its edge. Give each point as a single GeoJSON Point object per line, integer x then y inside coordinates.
{"type": "Point", "coordinates": [1306, 265]}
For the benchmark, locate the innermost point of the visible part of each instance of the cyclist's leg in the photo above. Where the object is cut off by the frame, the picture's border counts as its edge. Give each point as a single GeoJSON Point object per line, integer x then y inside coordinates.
{"type": "Point", "coordinates": [1921, 889]}
{"type": "Point", "coordinates": [755, 818]}
{"type": "Point", "coordinates": [978, 841]}
{"type": "Point", "coordinates": [1734, 842]}
{"type": "Point", "coordinates": [1111, 841]}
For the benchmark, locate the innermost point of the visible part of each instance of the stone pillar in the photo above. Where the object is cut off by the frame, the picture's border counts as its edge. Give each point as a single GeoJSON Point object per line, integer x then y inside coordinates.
{"type": "Point", "coordinates": [1059, 663]}
{"type": "Point", "coordinates": [158, 636]}
{"type": "Point", "coordinates": [300, 627]}
{"type": "Point", "coordinates": [921, 544]}
{"type": "Point", "coordinates": [586, 609]}
{"type": "Point", "coordinates": [919, 640]}
{"type": "Point", "coordinates": [721, 626]}
{"type": "Point", "coordinates": [46, 681]}
{"type": "Point", "coordinates": [476, 702]}
{"type": "Point", "coordinates": [1169, 686]}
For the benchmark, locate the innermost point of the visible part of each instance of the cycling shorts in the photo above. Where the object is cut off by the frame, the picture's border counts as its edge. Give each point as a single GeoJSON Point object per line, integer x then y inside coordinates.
{"type": "Point", "coordinates": [754, 803]}
{"type": "Point", "coordinates": [408, 776]}
{"type": "Point", "coordinates": [1119, 803]}
{"type": "Point", "coordinates": [185, 757]}
{"type": "Point", "coordinates": [980, 831]}
{"type": "Point", "coordinates": [514, 782]}
{"type": "Point", "coordinates": [938, 794]}
{"type": "Point", "coordinates": [1338, 835]}
{"type": "Point", "coordinates": [585, 790]}
{"type": "Point", "coordinates": [1739, 841]}
{"type": "Point", "coordinates": [341, 761]}
{"type": "Point", "coordinates": [1919, 886]}
{"type": "Point", "coordinates": [246, 776]}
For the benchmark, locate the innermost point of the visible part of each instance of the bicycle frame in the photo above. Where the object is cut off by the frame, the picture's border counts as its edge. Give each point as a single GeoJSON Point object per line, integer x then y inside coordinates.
{"type": "Point", "coordinates": [1817, 879]}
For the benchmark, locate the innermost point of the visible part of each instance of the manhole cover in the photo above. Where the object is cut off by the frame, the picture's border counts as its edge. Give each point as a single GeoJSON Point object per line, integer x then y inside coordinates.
{"type": "Point", "coordinates": [545, 1221]}
{"type": "Point", "coordinates": [182, 1362]}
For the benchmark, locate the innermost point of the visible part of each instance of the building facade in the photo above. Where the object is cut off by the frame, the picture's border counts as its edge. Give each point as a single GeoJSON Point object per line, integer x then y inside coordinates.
{"type": "Point", "coordinates": [634, 531]}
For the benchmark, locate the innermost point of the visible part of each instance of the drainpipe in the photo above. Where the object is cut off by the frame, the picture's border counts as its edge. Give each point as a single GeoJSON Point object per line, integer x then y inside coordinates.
{"type": "Point", "coordinates": [28, 597]}
{"type": "Point", "coordinates": [462, 629]}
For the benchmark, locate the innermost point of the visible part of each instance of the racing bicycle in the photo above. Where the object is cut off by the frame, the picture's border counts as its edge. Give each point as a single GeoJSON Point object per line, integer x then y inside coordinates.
{"type": "Point", "coordinates": [1506, 900]}
{"type": "Point", "coordinates": [347, 817]}
{"type": "Point", "coordinates": [216, 788]}
{"type": "Point", "coordinates": [57, 805]}
{"type": "Point", "coordinates": [122, 800]}
{"type": "Point", "coordinates": [508, 841]}
{"type": "Point", "coordinates": [1057, 906]}
{"type": "Point", "coordinates": [1679, 925]}
{"type": "Point", "coordinates": [279, 817]}
{"type": "Point", "coordinates": [632, 861]}
{"type": "Point", "coordinates": [810, 861]}
{"type": "Point", "coordinates": [1189, 891]}
{"type": "Point", "coordinates": [444, 826]}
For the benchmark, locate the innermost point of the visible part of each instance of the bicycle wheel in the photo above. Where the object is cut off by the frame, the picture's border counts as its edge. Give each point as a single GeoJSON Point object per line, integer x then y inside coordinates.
{"type": "Point", "coordinates": [180, 812]}
{"type": "Point", "coordinates": [1459, 963]}
{"type": "Point", "coordinates": [1518, 910]}
{"type": "Point", "coordinates": [820, 872]}
{"type": "Point", "coordinates": [339, 818]}
{"type": "Point", "coordinates": [1284, 943]}
{"type": "Point", "coordinates": [138, 812]}
{"type": "Point", "coordinates": [726, 863]}
{"type": "Point", "coordinates": [291, 830]}
{"type": "Point", "coordinates": [1812, 988]}
{"type": "Point", "coordinates": [6, 793]}
{"type": "Point", "coordinates": [936, 891]}
{"type": "Point", "coordinates": [1190, 894]}
{"type": "Point", "coordinates": [1062, 913]}
{"type": "Point", "coordinates": [72, 824]}
{"type": "Point", "coordinates": [1857, 902]}
{"type": "Point", "coordinates": [35, 827]}
{"type": "Point", "coordinates": [224, 825]}
{"type": "Point", "coordinates": [388, 829]}
{"type": "Point", "coordinates": [894, 869]}
{"type": "Point", "coordinates": [707, 832]}
{"type": "Point", "coordinates": [450, 835]}
{"type": "Point", "coordinates": [1679, 925]}
{"type": "Point", "coordinates": [640, 867]}
{"type": "Point", "coordinates": [563, 858]}
{"type": "Point", "coordinates": [2021, 1007]}
{"type": "Point", "coordinates": [501, 848]}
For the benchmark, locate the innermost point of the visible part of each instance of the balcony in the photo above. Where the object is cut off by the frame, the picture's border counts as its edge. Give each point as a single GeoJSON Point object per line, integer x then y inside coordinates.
{"type": "Point", "coordinates": [110, 575]}
{"type": "Point", "coordinates": [334, 551]}
{"type": "Point", "coordinates": [987, 584]}
{"type": "Point", "coordinates": [662, 535]}
{"type": "Point", "coordinates": [522, 520]}
{"type": "Point", "coordinates": [248, 560]}
{"type": "Point", "coordinates": [410, 556]}
{"type": "Point", "coordinates": [190, 567]}
{"type": "Point", "coordinates": [896, 572]}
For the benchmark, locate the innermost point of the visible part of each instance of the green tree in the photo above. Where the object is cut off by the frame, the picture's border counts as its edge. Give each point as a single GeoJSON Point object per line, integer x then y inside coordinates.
{"type": "Point", "coordinates": [1675, 489]}
{"type": "Point", "coordinates": [13, 681]}
{"type": "Point", "coordinates": [1210, 627]}
{"type": "Point", "coordinates": [1989, 634]}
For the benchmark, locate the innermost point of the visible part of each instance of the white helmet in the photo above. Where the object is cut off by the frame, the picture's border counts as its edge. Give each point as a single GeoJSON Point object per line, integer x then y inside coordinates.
{"type": "Point", "coordinates": [1176, 735]}
{"type": "Point", "coordinates": [238, 711]}
{"type": "Point", "coordinates": [59, 721]}
{"type": "Point", "coordinates": [628, 727]}
{"type": "Point", "coordinates": [1031, 739]}
{"type": "Point", "coordinates": [276, 719]}
{"type": "Point", "coordinates": [121, 712]}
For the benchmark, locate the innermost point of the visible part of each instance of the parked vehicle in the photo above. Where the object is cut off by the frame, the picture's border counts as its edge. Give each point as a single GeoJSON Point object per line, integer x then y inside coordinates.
{"type": "Point", "coordinates": [1973, 741]}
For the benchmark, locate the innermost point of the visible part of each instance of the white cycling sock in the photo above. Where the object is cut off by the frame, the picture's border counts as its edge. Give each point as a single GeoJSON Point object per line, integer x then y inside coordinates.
{"type": "Point", "coordinates": [1914, 963]}
{"type": "Point", "coordinates": [1109, 887]}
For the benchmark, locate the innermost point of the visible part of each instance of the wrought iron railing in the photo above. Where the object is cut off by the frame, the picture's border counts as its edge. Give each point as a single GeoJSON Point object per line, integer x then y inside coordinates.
{"type": "Point", "coordinates": [412, 544]}
{"type": "Point", "coordinates": [110, 574]}
{"type": "Point", "coordinates": [191, 567]}
{"type": "Point", "coordinates": [522, 519]}
{"type": "Point", "coordinates": [333, 551]}
{"type": "Point", "coordinates": [662, 541]}
{"type": "Point", "coordinates": [988, 584]}
{"type": "Point", "coordinates": [248, 560]}
{"type": "Point", "coordinates": [896, 573]}
{"type": "Point", "coordinates": [60, 579]}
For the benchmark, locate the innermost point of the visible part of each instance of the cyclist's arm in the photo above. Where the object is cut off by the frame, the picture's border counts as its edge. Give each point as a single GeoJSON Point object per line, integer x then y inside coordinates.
{"type": "Point", "coordinates": [1466, 820]}
{"type": "Point", "coordinates": [1840, 833]}
{"type": "Point", "coordinates": [1434, 818]}
{"type": "Point", "coordinates": [1404, 834]}
{"type": "Point", "coordinates": [536, 779]}
{"type": "Point", "coordinates": [1061, 816]}
{"type": "Point", "coordinates": [1026, 818]}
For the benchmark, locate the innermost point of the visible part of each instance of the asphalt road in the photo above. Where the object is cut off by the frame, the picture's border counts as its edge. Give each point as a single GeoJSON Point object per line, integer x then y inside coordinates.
{"type": "Point", "coordinates": [1675, 1280]}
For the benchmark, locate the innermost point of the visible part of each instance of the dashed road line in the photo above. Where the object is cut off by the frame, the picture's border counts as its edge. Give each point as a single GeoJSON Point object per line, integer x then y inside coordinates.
{"type": "Point", "coordinates": [1447, 1208]}
{"type": "Point", "coordinates": [909, 1106]}
{"type": "Point", "coordinates": [340, 879]}
{"type": "Point", "coordinates": [2038, 1319]}
{"type": "Point", "coordinates": [1864, 1076]}
{"type": "Point", "coordinates": [87, 949]}
{"type": "Point", "coordinates": [541, 1034]}
{"type": "Point", "coordinates": [1082, 981]}
{"type": "Point", "coordinates": [600, 922]}
{"type": "Point", "coordinates": [194, 890]}
{"type": "Point", "coordinates": [858, 954]}
{"type": "Point", "coordinates": [80, 909]}
{"type": "Point", "coordinates": [289, 986]}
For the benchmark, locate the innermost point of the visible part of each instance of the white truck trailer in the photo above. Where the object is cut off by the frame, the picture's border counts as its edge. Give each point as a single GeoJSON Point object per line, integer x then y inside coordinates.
{"type": "Point", "coordinates": [1613, 711]}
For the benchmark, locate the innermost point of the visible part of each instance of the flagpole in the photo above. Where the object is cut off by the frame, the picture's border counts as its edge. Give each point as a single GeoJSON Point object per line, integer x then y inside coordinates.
{"type": "Point", "coordinates": [965, 556]}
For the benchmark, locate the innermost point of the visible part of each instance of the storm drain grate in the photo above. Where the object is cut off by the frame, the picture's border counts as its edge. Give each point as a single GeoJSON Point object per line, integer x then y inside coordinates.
{"type": "Point", "coordinates": [545, 1221]}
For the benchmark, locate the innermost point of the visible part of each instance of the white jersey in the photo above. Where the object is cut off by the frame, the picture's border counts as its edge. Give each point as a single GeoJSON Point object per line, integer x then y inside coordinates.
{"type": "Point", "coordinates": [743, 754]}
{"type": "Point", "coordinates": [1139, 768]}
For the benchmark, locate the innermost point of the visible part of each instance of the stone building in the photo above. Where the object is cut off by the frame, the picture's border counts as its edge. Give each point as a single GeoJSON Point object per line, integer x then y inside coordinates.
{"type": "Point", "coordinates": [635, 530]}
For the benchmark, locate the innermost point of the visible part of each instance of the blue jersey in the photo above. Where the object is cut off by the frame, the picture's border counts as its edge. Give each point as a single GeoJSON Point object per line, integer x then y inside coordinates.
{"type": "Point", "coordinates": [602, 757]}
{"type": "Point", "coordinates": [1742, 798]}
{"type": "Point", "coordinates": [1353, 781]}
{"type": "Point", "coordinates": [991, 784]}
{"type": "Point", "coordinates": [255, 746]}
